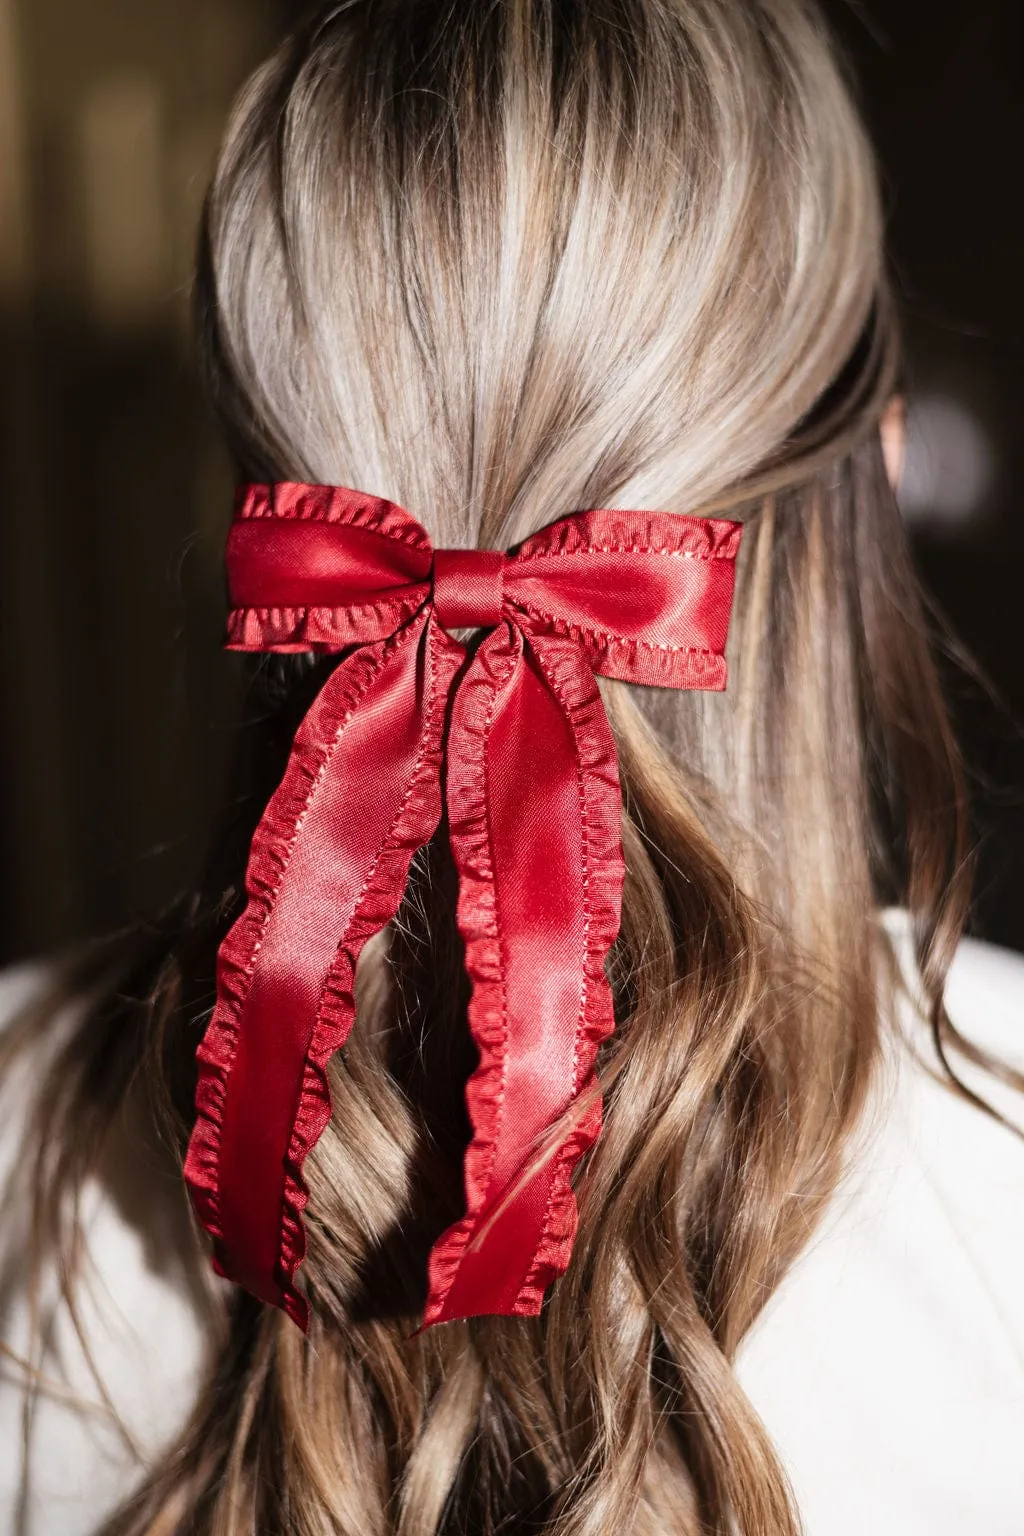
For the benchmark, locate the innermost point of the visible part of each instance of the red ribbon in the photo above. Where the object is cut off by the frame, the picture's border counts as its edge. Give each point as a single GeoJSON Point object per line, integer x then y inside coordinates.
{"type": "Point", "coordinates": [534, 807]}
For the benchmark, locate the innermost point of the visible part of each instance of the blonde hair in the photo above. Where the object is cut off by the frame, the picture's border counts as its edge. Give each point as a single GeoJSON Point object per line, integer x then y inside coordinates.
{"type": "Point", "coordinates": [497, 262]}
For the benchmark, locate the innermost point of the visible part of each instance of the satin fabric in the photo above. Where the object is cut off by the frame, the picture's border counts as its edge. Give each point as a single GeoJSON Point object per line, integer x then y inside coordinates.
{"type": "Point", "coordinates": [531, 790]}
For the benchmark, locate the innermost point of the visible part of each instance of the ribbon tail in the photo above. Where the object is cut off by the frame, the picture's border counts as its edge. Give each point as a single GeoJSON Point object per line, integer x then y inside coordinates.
{"type": "Point", "coordinates": [327, 870]}
{"type": "Point", "coordinates": [534, 807]}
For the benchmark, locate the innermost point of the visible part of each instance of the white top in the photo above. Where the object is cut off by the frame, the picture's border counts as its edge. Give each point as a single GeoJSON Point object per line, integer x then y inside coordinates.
{"type": "Point", "coordinates": [888, 1367]}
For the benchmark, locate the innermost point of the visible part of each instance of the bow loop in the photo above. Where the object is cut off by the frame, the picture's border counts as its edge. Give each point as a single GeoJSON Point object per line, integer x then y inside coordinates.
{"type": "Point", "coordinates": [647, 596]}
{"type": "Point", "coordinates": [534, 811]}
{"type": "Point", "coordinates": [313, 569]}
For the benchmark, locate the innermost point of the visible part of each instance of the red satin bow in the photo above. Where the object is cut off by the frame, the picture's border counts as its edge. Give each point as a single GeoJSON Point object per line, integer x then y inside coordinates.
{"type": "Point", "coordinates": [533, 801]}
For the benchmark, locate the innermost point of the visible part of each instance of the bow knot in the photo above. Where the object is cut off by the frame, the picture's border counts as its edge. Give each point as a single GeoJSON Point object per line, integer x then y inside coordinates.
{"type": "Point", "coordinates": [514, 745]}
{"type": "Point", "coordinates": [468, 588]}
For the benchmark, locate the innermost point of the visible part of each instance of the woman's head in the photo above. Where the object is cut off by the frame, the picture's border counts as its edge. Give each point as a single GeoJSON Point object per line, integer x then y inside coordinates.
{"type": "Point", "coordinates": [498, 262]}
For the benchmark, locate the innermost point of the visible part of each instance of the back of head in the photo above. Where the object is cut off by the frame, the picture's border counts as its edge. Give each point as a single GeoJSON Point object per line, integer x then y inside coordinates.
{"type": "Point", "coordinates": [496, 262]}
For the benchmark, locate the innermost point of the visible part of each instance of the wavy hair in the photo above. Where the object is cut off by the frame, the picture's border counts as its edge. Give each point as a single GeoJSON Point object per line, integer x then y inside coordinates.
{"type": "Point", "coordinates": [496, 262]}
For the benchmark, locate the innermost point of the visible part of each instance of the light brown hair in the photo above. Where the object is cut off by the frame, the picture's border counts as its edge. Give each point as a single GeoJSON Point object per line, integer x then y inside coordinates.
{"type": "Point", "coordinates": [497, 262]}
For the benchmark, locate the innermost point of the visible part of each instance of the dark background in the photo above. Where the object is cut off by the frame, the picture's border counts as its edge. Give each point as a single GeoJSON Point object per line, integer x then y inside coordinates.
{"type": "Point", "coordinates": [115, 703]}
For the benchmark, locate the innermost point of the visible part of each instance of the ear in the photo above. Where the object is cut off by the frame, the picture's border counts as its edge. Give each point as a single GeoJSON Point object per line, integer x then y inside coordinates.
{"type": "Point", "coordinates": [893, 428]}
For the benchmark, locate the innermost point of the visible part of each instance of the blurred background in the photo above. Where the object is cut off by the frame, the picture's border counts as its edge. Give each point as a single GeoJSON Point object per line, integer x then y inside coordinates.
{"type": "Point", "coordinates": [116, 706]}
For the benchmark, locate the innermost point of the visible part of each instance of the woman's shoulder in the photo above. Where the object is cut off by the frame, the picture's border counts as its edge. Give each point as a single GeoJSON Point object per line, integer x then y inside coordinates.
{"type": "Point", "coordinates": [101, 1410]}
{"type": "Point", "coordinates": [984, 989]}
{"type": "Point", "coordinates": [990, 973]}
{"type": "Point", "coordinates": [985, 998]}
{"type": "Point", "coordinates": [890, 1363]}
